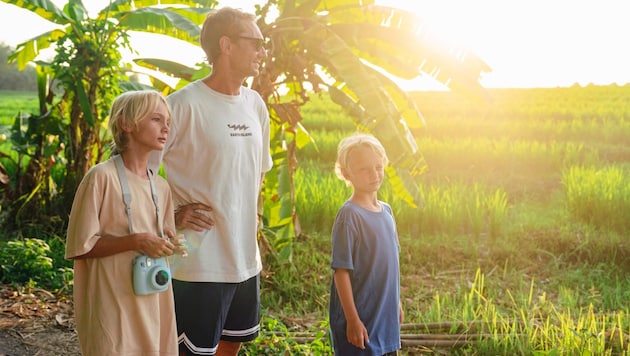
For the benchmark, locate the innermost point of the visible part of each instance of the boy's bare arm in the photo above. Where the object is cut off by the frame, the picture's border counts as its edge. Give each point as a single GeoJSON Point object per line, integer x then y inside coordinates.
{"type": "Point", "coordinates": [355, 332]}
{"type": "Point", "coordinates": [145, 243]}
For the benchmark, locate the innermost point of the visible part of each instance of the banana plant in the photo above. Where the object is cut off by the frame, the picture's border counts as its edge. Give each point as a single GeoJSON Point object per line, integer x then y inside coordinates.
{"type": "Point", "coordinates": [88, 70]}
{"type": "Point", "coordinates": [345, 48]}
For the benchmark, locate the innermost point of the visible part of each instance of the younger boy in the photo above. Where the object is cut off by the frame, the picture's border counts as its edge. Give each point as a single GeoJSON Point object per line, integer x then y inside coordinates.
{"type": "Point", "coordinates": [365, 312]}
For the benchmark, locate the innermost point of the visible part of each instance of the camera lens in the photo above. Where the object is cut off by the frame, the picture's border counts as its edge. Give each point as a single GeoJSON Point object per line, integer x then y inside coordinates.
{"type": "Point", "coordinates": [161, 277]}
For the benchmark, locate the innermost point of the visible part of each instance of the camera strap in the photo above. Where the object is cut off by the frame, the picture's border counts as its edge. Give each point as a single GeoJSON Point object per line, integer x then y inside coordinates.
{"type": "Point", "coordinates": [122, 176]}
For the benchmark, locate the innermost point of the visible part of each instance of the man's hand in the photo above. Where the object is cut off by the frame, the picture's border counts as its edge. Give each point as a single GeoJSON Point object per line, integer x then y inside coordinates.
{"type": "Point", "coordinates": [195, 216]}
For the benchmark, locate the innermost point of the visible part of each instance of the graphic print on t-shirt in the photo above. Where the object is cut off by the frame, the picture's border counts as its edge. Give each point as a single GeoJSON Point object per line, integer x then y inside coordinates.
{"type": "Point", "coordinates": [236, 128]}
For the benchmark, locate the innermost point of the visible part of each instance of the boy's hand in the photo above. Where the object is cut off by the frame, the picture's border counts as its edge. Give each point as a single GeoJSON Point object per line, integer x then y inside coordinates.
{"type": "Point", "coordinates": [154, 246]}
{"type": "Point", "coordinates": [178, 241]}
{"type": "Point", "coordinates": [357, 333]}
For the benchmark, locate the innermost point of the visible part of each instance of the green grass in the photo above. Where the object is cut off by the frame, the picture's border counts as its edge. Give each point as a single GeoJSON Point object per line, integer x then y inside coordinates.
{"type": "Point", "coordinates": [502, 239]}
{"type": "Point", "coordinates": [599, 196]}
{"type": "Point", "coordinates": [14, 102]}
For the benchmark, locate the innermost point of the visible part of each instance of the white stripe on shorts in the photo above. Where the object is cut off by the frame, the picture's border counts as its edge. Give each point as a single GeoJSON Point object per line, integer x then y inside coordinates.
{"type": "Point", "coordinates": [239, 333]}
{"type": "Point", "coordinates": [194, 349]}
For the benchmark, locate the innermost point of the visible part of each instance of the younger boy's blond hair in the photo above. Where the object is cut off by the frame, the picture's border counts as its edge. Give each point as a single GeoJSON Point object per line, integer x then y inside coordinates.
{"type": "Point", "coordinates": [348, 144]}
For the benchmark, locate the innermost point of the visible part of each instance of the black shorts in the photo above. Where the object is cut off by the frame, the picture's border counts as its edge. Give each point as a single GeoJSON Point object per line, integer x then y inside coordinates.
{"type": "Point", "coordinates": [207, 312]}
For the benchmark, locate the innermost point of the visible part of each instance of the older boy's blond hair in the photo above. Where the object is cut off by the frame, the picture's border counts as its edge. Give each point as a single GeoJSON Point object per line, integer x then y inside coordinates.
{"type": "Point", "coordinates": [348, 144]}
{"type": "Point", "coordinates": [128, 109]}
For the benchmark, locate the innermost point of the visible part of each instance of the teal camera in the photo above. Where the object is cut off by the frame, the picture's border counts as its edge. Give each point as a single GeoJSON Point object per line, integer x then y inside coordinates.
{"type": "Point", "coordinates": [150, 275]}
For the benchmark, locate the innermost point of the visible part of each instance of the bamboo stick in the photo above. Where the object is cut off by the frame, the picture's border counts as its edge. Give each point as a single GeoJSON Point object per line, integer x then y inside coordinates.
{"type": "Point", "coordinates": [434, 343]}
{"type": "Point", "coordinates": [437, 337]}
{"type": "Point", "coordinates": [446, 325]}
{"type": "Point", "coordinates": [443, 336]}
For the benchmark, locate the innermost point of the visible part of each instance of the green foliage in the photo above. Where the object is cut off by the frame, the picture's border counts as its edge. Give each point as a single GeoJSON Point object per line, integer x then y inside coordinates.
{"type": "Point", "coordinates": [456, 208]}
{"type": "Point", "coordinates": [29, 158]}
{"type": "Point", "coordinates": [28, 262]}
{"type": "Point", "coordinates": [319, 195]}
{"type": "Point", "coordinates": [599, 197]}
{"type": "Point", "coordinates": [529, 325]}
{"type": "Point", "coordinates": [496, 199]}
{"type": "Point", "coordinates": [276, 339]}
{"type": "Point", "coordinates": [75, 90]}
{"type": "Point", "coordinates": [303, 286]}
{"type": "Point", "coordinates": [481, 156]}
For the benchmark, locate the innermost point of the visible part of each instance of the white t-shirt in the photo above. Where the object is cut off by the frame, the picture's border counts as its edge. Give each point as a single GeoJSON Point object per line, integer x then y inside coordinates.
{"type": "Point", "coordinates": [217, 149]}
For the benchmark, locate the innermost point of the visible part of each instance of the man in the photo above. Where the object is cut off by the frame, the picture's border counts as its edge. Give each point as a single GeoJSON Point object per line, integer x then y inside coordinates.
{"type": "Point", "coordinates": [215, 159]}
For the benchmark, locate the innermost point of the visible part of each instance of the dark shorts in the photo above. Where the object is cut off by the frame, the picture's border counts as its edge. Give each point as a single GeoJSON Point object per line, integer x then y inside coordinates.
{"type": "Point", "coordinates": [207, 312]}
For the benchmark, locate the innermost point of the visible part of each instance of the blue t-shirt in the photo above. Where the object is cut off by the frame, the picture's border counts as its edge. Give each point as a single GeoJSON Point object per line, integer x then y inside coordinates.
{"type": "Point", "coordinates": [366, 243]}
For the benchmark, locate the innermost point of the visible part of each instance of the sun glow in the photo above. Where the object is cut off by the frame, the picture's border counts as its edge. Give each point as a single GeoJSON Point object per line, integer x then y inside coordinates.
{"type": "Point", "coordinates": [534, 43]}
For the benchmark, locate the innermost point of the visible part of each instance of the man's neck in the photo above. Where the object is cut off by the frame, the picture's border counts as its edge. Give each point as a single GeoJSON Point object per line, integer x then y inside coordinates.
{"type": "Point", "coordinates": [224, 84]}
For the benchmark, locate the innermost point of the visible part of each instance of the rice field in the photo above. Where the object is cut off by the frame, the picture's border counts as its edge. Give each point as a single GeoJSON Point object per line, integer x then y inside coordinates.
{"type": "Point", "coordinates": [522, 230]}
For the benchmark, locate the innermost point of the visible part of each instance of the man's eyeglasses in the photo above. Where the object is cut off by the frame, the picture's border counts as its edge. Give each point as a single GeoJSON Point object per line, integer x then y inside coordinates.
{"type": "Point", "coordinates": [259, 43]}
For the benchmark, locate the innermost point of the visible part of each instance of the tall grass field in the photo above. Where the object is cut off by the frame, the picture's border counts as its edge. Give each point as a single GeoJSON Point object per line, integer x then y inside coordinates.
{"type": "Point", "coordinates": [520, 243]}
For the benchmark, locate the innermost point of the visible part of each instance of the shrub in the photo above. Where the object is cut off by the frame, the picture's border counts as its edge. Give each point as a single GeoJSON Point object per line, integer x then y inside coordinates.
{"type": "Point", "coordinates": [28, 262]}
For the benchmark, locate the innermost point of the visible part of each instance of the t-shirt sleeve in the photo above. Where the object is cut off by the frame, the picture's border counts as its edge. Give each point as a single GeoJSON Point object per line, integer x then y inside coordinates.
{"type": "Point", "coordinates": [84, 224]}
{"type": "Point", "coordinates": [263, 113]}
{"type": "Point", "coordinates": [344, 235]}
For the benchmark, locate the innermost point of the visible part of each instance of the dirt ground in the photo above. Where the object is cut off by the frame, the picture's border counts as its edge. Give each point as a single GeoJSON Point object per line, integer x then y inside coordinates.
{"type": "Point", "coordinates": [39, 323]}
{"type": "Point", "coordinates": [36, 322]}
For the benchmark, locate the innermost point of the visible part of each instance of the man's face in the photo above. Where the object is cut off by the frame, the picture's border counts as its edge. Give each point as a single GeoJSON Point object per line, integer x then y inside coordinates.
{"type": "Point", "coordinates": [248, 51]}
